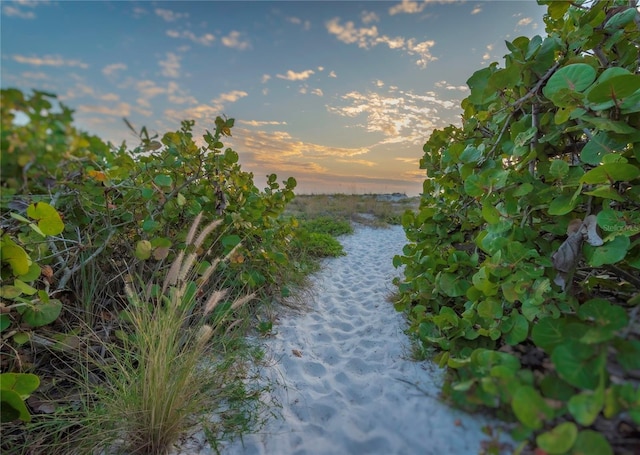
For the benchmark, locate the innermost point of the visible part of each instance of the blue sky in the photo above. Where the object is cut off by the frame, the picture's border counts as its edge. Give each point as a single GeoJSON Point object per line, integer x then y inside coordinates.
{"type": "Point", "coordinates": [340, 95]}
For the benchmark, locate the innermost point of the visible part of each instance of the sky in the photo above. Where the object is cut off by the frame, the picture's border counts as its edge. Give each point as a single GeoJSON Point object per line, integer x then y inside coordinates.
{"type": "Point", "coordinates": [341, 95]}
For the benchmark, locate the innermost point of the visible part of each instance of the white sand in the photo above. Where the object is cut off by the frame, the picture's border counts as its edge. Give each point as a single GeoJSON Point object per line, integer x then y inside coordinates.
{"type": "Point", "coordinates": [343, 374]}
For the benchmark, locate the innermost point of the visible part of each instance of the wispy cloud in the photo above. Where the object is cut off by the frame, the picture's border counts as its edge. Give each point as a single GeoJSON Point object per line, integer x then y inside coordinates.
{"type": "Point", "coordinates": [476, 10]}
{"type": "Point", "coordinates": [293, 76]}
{"type": "Point", "coordinates": [12, 11]}
{"type": "Point", "coordinates": [265, 78]}
{"type": "Point", "coordinates": [317, 92]}
{"type": "Point", "coordinates": [306, 25]}
{"type": "Point", "coordinates": [369, 37]}
{"type": "Point", "coordinates": [524, 21]}
{"type": "Point", "coordinates": [447, 86]}
{"type": "Point", "coordinates": [113, 68]}
{"type": "Point", "coordinates": [369, 17]}
{"type": "Point", "coordinates": [402, 117]}
{"type": "Point", "coordinates": [120, 110]}
{"type": "Point", "coordinates": [234, 41]}
{"type": "Point", "coordinates": [50, 60]}
{"type": "Point", "coordinates": [261, 122]}
{"type": "Point", "coordinates": [332, 74]}
{"type": "Point", "coordinates": [206, 39]}
{"type": "Point", "coordinates": [229, 97]}
{"type": "Point", "coordinates": [407, 7]}
{"type": "Point", "coordinates": [170, 66]}
{"type": "Point", "coordinates": [169, 15]}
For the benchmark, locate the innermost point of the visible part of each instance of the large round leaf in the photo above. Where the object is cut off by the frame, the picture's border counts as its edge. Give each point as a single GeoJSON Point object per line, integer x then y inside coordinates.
{"type": "Point", "coordinates": [615, 88]}
{"type": "Point", "coordinates": [611, 172]}
{"type": "Point", "coordinates": [49, 220]}
{"type": "Point", "coordinates": [609, 253]}
{"type": "Point", "coordinates": [530, 408]}
{"type": "Point", "coordinates": [40, 314]}
{"type": "Point", "coordinates": [559, 440]}
{"type": "Point", "coordinates": [576, 77]}
{"type": "Point", "coordinates": [591, 442]}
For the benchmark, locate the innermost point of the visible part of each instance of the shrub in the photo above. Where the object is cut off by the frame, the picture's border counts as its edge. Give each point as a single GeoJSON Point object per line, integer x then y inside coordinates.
{"type": "Point", "coordinates": [532, 309]}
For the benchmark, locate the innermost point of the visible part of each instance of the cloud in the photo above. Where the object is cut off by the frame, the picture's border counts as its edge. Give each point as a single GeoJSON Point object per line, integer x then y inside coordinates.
{"type": "Point", "coordinates": [407, 7]}
{"type": "Point", "coordinates": [293, 76]}
{"type": "Point", "coordinates": [139, 12]}
{"type": "Point", "coordinates": [321, 68]}
{"type": "Point", "coordinates": [232, 40]}
{"type": "Point", "coordinates": [317, 91]}
{"type": "Point", "coordinates": [265, 78]}
{"type": "Point", "coordinates": [37, 76]}
{"type": "Point", "coordinates": [111, 69]}
{"type": "Point", "coordinates": [306, 25]}
{"type": "Point", "coordinates": [405, 117]}
{"type": "Point", "coordinates": [423, 50]}
{"type": "Point", "coordinates": [261, 122]}
{"type": "Point", "coordinates": [524, 21]}
{"type": "Point", "coordinates": [169, 15]}
{"type": "Point", "coordinates": [476, 10]}
{"type": "Point", "coordinates": [379, 83]}
{"type": "Point", "coordinates": [332, 74]}
{"type": "Point", "coordinates": [206, 40]}
{"type": "Point", "coordinates": [121, 110]}
{"type": "Point", "coordinates": [369, 37]}
{"type": "Point", "coordinates": [367, 17]}
{"type": "Point", "coordinates": [50, 60]}
{"type": "Point", "coordinates": [487, 55]}
{"type": "Point", "coordinates": [445, 85]}
{"type": "Point", "coordinates": [12, 11]}
{"type": "Point", "coordinates": [230, 97]}
{"type": "Point", "coordinates": [170, 66]}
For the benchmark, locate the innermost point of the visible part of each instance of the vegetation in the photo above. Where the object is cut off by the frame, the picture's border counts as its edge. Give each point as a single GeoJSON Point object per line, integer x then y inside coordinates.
{"type": "Point", "coordinates": [89, 342]}
{"type": "Point", "coordinates": [523, 257]}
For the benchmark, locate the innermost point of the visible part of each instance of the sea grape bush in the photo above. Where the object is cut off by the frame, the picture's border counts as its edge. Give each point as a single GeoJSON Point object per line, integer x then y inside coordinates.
{"type": "Point", "coordinates": [69, 200]}
{"type": "Point", "coordinates": [522, 267]}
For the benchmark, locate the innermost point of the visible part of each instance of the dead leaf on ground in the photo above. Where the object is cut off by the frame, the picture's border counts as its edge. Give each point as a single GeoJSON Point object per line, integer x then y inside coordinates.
{"type": "Point", "coordinates": [296, 352]}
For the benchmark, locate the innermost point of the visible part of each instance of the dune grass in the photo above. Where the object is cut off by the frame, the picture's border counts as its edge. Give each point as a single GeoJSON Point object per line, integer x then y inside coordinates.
{"type": "Point", "coordinates": [368, 209]}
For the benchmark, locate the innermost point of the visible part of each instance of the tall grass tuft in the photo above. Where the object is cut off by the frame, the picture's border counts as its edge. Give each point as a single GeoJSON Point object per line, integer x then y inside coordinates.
{"type": "Point", "coordinates": [157, 384]}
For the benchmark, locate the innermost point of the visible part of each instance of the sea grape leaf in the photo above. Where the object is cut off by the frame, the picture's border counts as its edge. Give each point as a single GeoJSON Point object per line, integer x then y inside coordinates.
{"type": "Point", "coordinates": [614, 88]}
{"type": "Point", "coordinates": [530, 408]}
{"type": "Point", "coordinates": [16, 257]}
{"type": "Point", "coordinates": [143, 250]}
{"type": "Point", "coordinates": [612, 172]}
{"type": "Point", "coordinates": [49, 221]}
{"type": "Point", "coordinates": [519, 332]}
{"type": "Point", "coordinates": [598, 146]}
{"type": "Point", "coordinates": [39, 314]}
{"type": "Point", "coordinates": [576, 364]}
{"type": "Point", "coordinates": [586, 406]}
{"type": "Point", "coordinates": [603, 313]}
{"type": "Point", "coordinates": [611, 252]}
{"type": "Point", "coordinates": [575, 77]}
{"type": "Point", "coordinates": [591, 442]}
{"type": "Point", "coordinates": [559, 440]}
{"type": "Point", "coordinates": [548, 333]}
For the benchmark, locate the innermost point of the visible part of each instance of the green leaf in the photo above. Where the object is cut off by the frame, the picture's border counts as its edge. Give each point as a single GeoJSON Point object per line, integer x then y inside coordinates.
{"type": "Point", "coordinates": [143, 250]}
{"type": "Point", "coordinates": [603, 313]}
{"type": "Point", "coordinates": [611, 220]}
{"type": "Point", "coordinates": [452, 285]}
{"type": "Point", "coordinates": [591, 442]}
{"type": "Point", "coordinates": [230, 241]}
{"type": "Point", "coordinates": [39, 314]}
{"type": "Point", "coordinates": [620, 20]}
{"type": "Point", "coordinates": [559, 169]}
{"type": "Point", "coordinates": [150, 225]}
{"type": "Point", "coordinates": [473, 186]}
{"type": "Point", "coordinates": [598, 146]}
{"type": "Point", "coordinates": [530, 408]}
{"type": "Point", "coordinates": [610, 173]}
{"type": "Point", "coordinates": [5, 322]}
{"type": "Point", "coordinates": [615, 88]}
{"type": "Point", "coordinates": [559, 440]}
{"type": "Point", "coordinates": [33, 273]}
{"type": "Point", "coordinates": [605, 192]}
{"type": "Point", "coordinates": [16, 257]}
{"type": "Point", "coordinates": [586, 406]}
{"type": "Point", "coordinates": [611, 252]}
{"type": "Point", "coordinates": [575, 77]}
{"type": "Point", "coordinates": [163, 180]}
{"type": "Point", "coordinates": [24, 288]}
{"type": "Point", "coordinates": [576, 364]}
{"type": "Point", "coordinates": [49, 220]}
{"type": "Point", "coordinates": [562, 205]}
{"type": "Point", "coordinates": [548, 333]}
{"type": "Point", "coordinates": [12, 407]}
{"type": "Point", "coordinates": [519, 332]}
{"type": "Point", "coordinates": [490, 213]}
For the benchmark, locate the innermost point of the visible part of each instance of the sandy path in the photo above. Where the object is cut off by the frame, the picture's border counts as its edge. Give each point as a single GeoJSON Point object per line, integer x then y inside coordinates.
{"type": "Point", "coordinates": [348, 392]}
{"type": "Point", "coordinates": [342, 375]}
